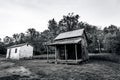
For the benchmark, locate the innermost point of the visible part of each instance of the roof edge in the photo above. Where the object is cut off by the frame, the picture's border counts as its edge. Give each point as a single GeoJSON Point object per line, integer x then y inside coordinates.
{"type": "Point", "coordinates": [18, 45]}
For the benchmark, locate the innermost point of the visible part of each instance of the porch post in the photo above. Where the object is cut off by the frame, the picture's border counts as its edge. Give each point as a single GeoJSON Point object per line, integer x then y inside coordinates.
{"type": "Point", "coordinates": [47, 54]}
{"type": "Point", "coordinates": [55, 54]}
{"type": "Point", "coordinates": [76, 52]}
{"type": "Point", "coordinates": [65, 53]}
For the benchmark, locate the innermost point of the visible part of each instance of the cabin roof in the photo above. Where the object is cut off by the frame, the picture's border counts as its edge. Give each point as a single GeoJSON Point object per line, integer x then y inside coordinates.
{"type": "Point", "coordinates": [70, 34]}
{"type": "Point", "coordinates": [18, 45]}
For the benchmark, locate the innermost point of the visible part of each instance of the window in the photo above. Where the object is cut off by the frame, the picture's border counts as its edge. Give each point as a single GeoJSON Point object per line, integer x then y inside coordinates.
{"type": "Point", "coordinates": [15, 50]}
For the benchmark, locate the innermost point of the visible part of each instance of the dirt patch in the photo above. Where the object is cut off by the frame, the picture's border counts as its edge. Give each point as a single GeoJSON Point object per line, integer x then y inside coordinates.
{"type": "Point", "coordinates": [21, 71]}
{"type": "Point", "coordinates": [5, 65]}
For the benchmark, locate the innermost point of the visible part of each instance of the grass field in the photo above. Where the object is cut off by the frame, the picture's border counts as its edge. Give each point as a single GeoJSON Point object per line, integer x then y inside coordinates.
{"type": "Point", "coordinates": [94, 69]}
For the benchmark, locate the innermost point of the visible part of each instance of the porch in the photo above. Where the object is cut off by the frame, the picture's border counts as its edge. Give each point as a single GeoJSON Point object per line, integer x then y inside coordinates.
{"type": "Point", "coordinates": [66, 53]}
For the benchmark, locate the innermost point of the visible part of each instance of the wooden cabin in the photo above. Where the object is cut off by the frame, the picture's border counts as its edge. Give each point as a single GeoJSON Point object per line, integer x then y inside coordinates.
{"type": "Point", "coordinates": [71, 46]}
{"type": "Point", "coordinates": [19, 51]}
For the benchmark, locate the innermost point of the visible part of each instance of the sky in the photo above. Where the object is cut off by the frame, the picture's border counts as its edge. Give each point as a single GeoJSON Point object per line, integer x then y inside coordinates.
{"type": "Point", "coordinates": [17, 16]}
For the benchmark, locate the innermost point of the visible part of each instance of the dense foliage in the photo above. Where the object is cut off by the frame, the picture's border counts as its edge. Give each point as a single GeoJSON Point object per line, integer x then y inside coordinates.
{"type": "Point", "coordinates": [106, 40]}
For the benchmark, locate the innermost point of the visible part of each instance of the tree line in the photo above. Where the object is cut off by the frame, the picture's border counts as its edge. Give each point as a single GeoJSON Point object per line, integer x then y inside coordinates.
{"type": "Point", "coordinates": [99, 41]}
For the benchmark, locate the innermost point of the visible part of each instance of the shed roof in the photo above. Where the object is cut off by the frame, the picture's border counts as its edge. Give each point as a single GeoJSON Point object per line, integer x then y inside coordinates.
{"type": "Point", "coordinates": [18, 45]}
{"type": "Point", "coordinates": [70, 34]}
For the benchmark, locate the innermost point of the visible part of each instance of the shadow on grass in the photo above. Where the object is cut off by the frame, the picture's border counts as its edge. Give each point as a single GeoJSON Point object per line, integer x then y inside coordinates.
{"type": "Point", "coordinates": [17, 77]}
{"type": "Point", "coordinates": [13, 77]}
{"type": "Point", "coordinates": [105, 57]}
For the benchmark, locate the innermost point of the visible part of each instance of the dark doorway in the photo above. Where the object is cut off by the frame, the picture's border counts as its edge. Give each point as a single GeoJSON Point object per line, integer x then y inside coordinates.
{"type": "Point", "coordinates": [61, 51]}
{"type": "Point", "coordinates": [71, 51]}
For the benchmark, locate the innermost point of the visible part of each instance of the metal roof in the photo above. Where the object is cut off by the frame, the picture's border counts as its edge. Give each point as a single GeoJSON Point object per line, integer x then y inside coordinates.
{"type": "Point", "coordinates": [67, 41]}
{"type": "Point", "coordinates": [70, 34]}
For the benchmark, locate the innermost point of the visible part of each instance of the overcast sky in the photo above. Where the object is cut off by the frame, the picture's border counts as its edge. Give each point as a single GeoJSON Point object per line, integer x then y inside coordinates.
{"type": "Point", "coordinates": [18, 15]}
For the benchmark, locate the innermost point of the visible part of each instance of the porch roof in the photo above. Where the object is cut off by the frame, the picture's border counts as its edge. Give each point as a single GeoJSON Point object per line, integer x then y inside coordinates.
{"type": "Point", "coordinates": [67, 41]}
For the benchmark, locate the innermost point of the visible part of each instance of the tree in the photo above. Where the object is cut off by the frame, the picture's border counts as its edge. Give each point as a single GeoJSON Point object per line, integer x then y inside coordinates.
{"type": "Point", "coordinates": [46, 36]}
{"type": "Point", "coordinates": [53, 28]}
{"type": "Point", "coordinates": [69, 22]}
{"type": "Point", "coordinates": [112, 29]}
{"type": "Point", "coordinates": [105, 30]}
{"type": "Point", "coordinates": [8, 40]}
{"type": "Point", "coordinates": [32, 34]}
{"type": "Point", "coordinates": [22, 38]}
{"type": "Point", "coordinates": [16, 38]}
{"type": "Point", "coordinates": [2, 48]}
{"type": "Point", "coordinates": [117, 43]}
{"type": "Point", "coordinates": [111, 38]}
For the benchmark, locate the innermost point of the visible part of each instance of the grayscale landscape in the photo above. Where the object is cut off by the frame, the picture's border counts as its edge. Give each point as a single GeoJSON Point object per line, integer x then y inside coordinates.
{"type": "Point", "coordinates": [59, 40]}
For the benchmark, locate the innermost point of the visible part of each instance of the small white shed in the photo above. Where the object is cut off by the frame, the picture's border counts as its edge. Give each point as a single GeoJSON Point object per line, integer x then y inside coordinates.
{"type": "Point", "coordinates": [19, 51]}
